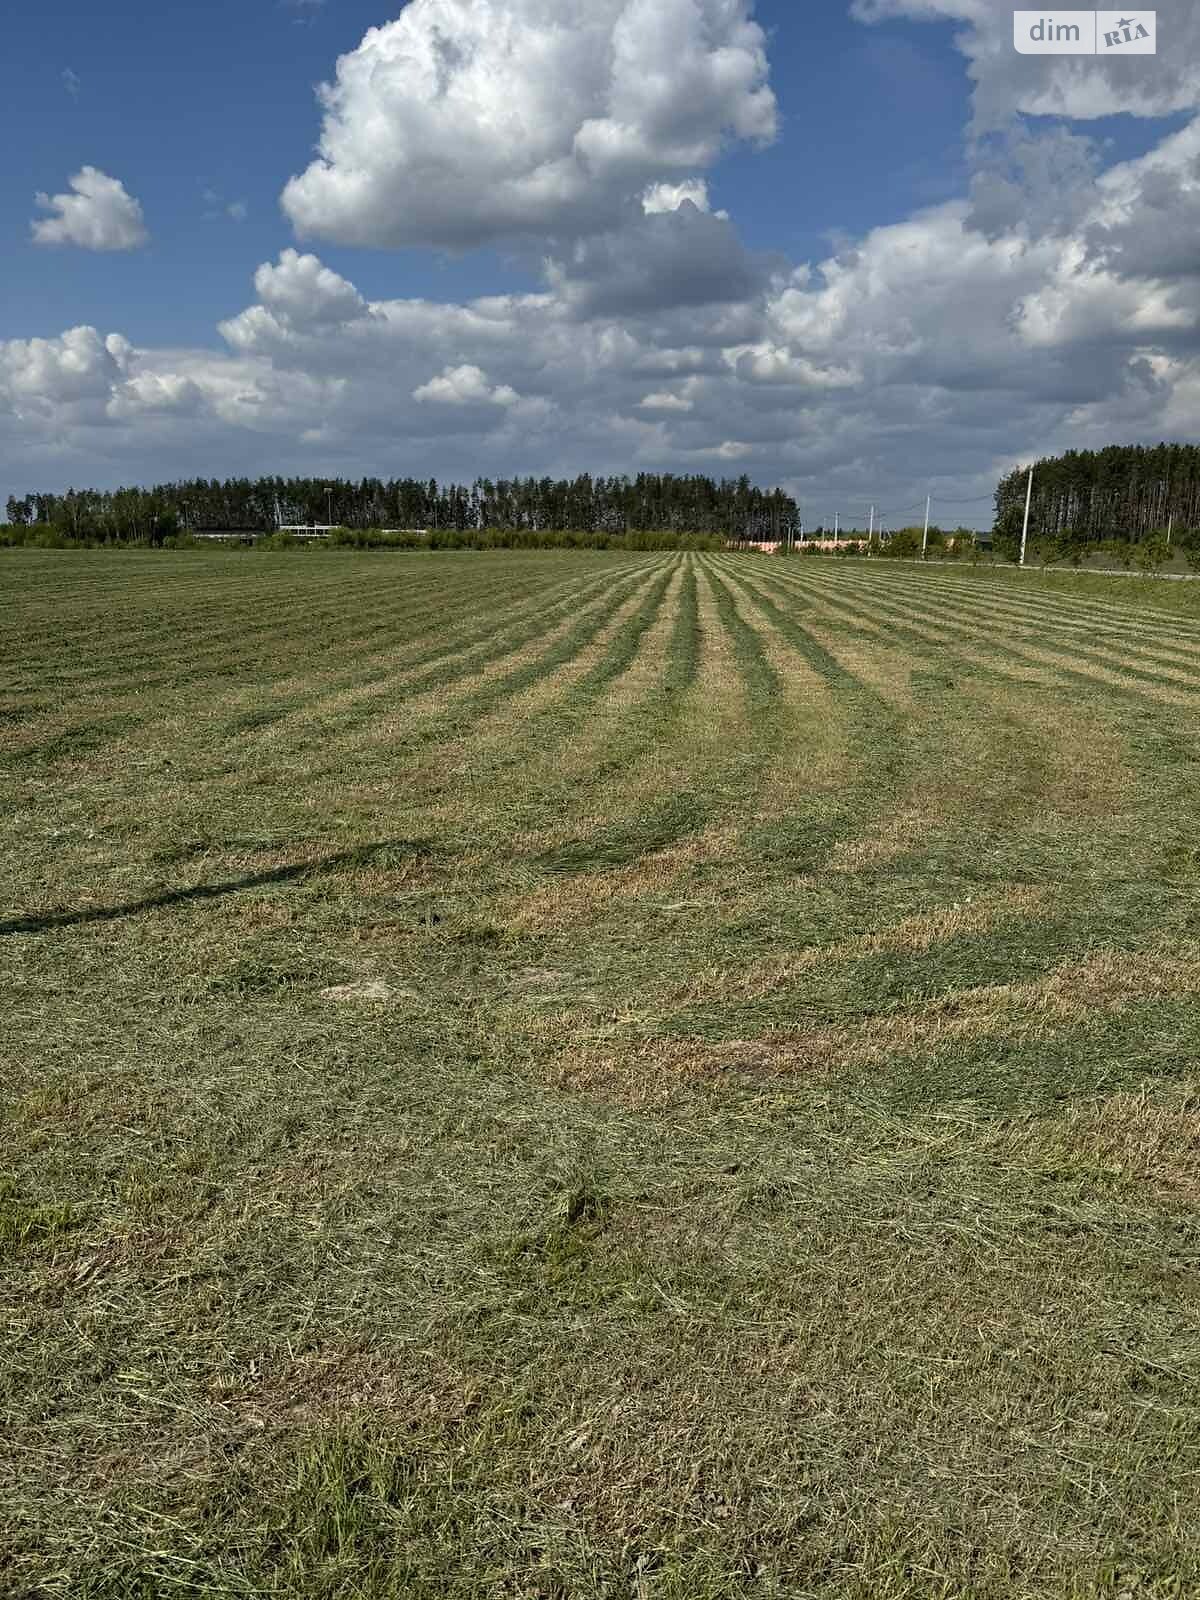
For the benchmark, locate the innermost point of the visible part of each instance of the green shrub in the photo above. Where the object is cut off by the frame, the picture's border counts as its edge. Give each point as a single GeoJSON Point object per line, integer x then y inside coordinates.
{"type": "Point", "coordinates": [903, 545]}
{"type": "Point", "coordinates": [1152, 554]}
{"type": "Point", "coordinates": [34, 536]}
{"type": "Point", "coordinates": [45, 536]}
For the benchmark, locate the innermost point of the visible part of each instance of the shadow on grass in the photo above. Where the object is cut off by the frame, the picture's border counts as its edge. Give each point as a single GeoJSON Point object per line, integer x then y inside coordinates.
{"type": "Point", "coordinates": [624, 844]}
{"type": "Point", "coordinates": [361, 856]}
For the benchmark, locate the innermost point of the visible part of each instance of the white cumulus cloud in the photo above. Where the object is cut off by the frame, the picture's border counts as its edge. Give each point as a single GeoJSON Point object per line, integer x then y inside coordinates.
{"type": "Point", "coordinates": [303, 291]}
{"type": "Point", "coordinates": [663, 400]}
{"type": "Point", "coordinates": [470, 120]}
{"type": "Point", "coordinates": [660, 197]}
{"type": "Point", "coordinates": [99, 214]}
{"type": "Point", "coordinates": [1082, 87]}
{"type": "Point", "coordinates": [76, 368]}
{"type": "Point", "coordinates": [465, 386]}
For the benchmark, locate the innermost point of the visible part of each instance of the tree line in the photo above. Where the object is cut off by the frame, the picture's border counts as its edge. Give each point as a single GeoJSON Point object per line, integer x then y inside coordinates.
{"type": "Point", "coordinates": [613, 507]}
{"type": "Point", "coordinates": [1130, 493]}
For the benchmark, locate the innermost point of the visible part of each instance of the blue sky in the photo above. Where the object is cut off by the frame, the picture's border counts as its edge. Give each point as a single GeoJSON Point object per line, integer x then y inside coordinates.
{"type": "Point", "coordinates": [184, 100]}
{"type": "Point", "coordinates": [884, 114]}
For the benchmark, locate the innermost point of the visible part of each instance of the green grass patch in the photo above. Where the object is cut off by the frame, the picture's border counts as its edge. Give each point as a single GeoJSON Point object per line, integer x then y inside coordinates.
{"type": "Point", "coordinates": [804, 1202]}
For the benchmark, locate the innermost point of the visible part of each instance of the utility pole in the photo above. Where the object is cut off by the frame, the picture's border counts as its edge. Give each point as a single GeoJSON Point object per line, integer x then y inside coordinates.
{"type": "Point", "coordinates": [329, 506]}
{"type": "Point", "coordinates": [1025, 529]}
{"type": "Point", "coordinates": [925, 540]}
{"type": "Point", "coordinates": [837, 526]}
{"type": "Point", "coordinates": [871, 531]}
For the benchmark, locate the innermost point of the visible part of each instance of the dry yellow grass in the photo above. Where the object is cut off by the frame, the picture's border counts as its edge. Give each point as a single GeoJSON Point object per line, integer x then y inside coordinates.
{"type": "Point", "coordinates": [1002, 751]}
{"type": "Point", "coordinates": [646, 668]}
{"type": "Point", "coordinates": [571, 901]}
{"type": "Point", "coordinates": [960, 635]}
{"type": "Point", "coordinates": [496, 727]}
{"type": "Point", "coordinates": [882, 840]}
{"type": "Point", "coordinates": [644, 1072]}
{"type": "Point", "coordinates": [667, 1134]}
{"type": "Point", "coordinates": [1142, 643]}
{"type": "Point", "coordinates": [814, 754]}
{"type": "Point", "coordinates": [431, 702]}
{"type": "Point", "coordinates": [912, 935]}
{"type": "Point", "coordinates": [710, 708]}
{"type": "Point", "coordinates": [1150, 1140]}
{"type": "Point", "coordinates": [811, 757]}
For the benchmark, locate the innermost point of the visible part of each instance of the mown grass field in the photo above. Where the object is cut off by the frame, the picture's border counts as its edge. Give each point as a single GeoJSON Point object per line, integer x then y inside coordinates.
{"type": "Point", "coordinates": [569, 1076]}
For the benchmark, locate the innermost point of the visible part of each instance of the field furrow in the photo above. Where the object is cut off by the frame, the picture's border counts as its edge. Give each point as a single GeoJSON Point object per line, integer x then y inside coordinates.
{"type": "Point", "coordinates": [1074, 647]}
{"type": "Point", "coordinates": [577, 1075]}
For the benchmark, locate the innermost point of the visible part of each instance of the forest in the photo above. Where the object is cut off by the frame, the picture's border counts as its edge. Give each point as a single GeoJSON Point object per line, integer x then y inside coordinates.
{"type": "Point", "coordinates": [1135, 493]}
{"type": "Point", "coordinates": [1132, 495]}
{"type": "Point", "coordinates": [605, 506]}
